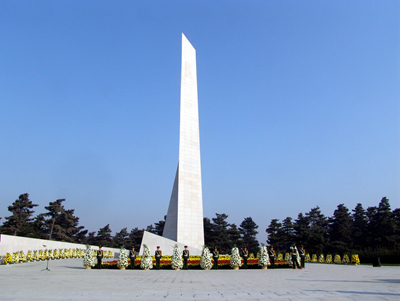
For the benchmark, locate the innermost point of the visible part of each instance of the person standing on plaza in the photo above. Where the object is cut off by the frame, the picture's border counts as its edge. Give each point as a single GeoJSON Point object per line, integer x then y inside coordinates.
{"type": "Point", "coordinates": [215, 257]}
{"type": "Point", "coordinates": [99, 257]}
{"type": "Point", "coordinates": [245, 255]}
{"type": "Point", "coordinates": [158, 255]}
{"type": "Point", "coordinates": [132, 257]}
{"type": "Point", "coordinates": [271, 254]}
{"type": "Point", "coordinates": [185, 255]}
{"type": "Point", "coordinates": [302, 257]}
{"type": "Point", "coordinates": [295, 259]}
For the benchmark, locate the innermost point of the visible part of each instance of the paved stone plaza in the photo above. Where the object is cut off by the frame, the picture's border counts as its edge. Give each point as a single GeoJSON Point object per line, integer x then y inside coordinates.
{"type": "Point", "coordinates": [68, 280]}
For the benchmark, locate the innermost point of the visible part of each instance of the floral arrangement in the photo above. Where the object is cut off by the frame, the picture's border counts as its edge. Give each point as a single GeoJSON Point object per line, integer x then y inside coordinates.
{"type": "Point", "coordinates": [345, 259]}
{"type": "Point", "coordinates": [314, 258]}
{"type": "Point", "coordinates": [287, 256]}
{"type": "Point", "coordinates": [321, 258]}
{"type": "Point", "coordinates": [44, 255]}
{"type": "Point", "coordinates": [15, 257]}
{"type": "Point", "coordinates": [264, 258]}
{"type": "Point", "coordinates": [337, 259]}
{"type": "Point", "coordinates": [22, 257]}
{"type": "Point", "coordinates": [19, 257]}
{"type": "Point", "coordinates": [176, 260]}
{"type": "Point", "coordinates": [194, 262]}
{"type": "Point", "coordinates": [235, 260]}
{"type": "Point", "coordinates": [146, 261]}
{"type": "Point", "coordinates": [88, 259]}
{"type": "Point", "coordinates": [308, 258]}
{"type": "Point", "coordinates": [106, 254]}
{"type": "Point", "coordinates": [280, 257]}
{"type": "Point", "coordinates": [122, 259]}
{"type": "Point", "coordinates": [297, 256]}
{"type": "Point", "coordinates": [56, 254]}
{"type": "Point", "coordinates": [35, 255]}
{"type": "Point", "coordinates": [205, 261]}
{"type": "Point", "coordinates": [355, 259]}
{"type": "Point", "coordinates": [81, 253]}
{"type": "Point", "coordinates": [8, 258]}
{"type": "Point", "coordinates": [328, 258]}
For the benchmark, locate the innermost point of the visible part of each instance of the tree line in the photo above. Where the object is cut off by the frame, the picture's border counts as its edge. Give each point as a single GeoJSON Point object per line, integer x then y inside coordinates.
{"type": "Point", "coordinates": [59, 223]}
{"type": "Point", "coordinates": [374, 232]}
{"type": "Point", "coordinates": [371, 232]}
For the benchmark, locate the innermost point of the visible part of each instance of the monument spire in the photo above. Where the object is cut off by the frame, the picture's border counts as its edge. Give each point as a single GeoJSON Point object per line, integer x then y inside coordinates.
{"type": "Point", "coordinates": [184, 222]}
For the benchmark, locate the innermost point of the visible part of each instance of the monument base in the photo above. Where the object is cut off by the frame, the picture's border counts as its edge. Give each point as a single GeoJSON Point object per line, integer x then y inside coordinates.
{"type": "Point", "coordinates": [166, 245]}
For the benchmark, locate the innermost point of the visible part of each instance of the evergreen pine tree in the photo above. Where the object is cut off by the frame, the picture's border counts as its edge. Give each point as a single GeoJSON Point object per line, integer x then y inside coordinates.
{"type": "Point", "coordinates": [220, 236]}
{"type": "Point", "coordinates": [61, 224]}
{"type": "Point", "coordinates": [121, 239]}
{"type": "Point", "coordinates": [104, 237]}
{"type": "Point", "coordinates": [396, 217]}
{"type": "Point", "coordinates": [288, 236]}
{"type": "Point", "coordinates": [159, 227]}
{"type": "Point", "coordinates": [39, 227]}
{"type": "Point", "coordinates": [359, 228]}
{"type": "Point", "coordinates": [249, 235]}
{"type": "Point", "coordinates": [301, 230]}
{"type": "Point", "coordinates": [208, 231]}
{"type": "Point", "coordinates": [176, 260]}
{"type": "Point", "coordinates": [91, 238]}
{"type": "Point", "coordinates": [20, 222]}
{"type": "Point", "coordinates": [339, 230]}
{"type": "Point", "coordinates": [274, 231]}
{"type": "Point", "coordinates": [235, 236]}
{"type": "Point", "coordinates": [318, 230]}
{"type": "Point", "coordinates": [135, 238]}
{"type": "Point", "coordinates": [385, 235]}
{"type": "Point", "coordinates": [372, 228]}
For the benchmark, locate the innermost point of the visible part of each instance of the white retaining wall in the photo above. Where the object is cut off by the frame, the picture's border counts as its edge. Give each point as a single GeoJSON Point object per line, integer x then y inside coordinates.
{"type": "Point", "coordinates": [11, 244]}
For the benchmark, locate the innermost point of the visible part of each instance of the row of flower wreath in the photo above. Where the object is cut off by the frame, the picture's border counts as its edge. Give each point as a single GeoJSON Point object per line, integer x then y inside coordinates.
{"type": "Point", "coordinates": [337, 259]}
{"type": "Point", "coordinates": [37, 255]}
{"type": "Point", "coordinates": [205, 261]}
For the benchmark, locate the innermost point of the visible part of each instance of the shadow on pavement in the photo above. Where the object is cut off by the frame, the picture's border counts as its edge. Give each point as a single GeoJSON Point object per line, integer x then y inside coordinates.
{"type": "Point", "coordinates": [356, 292]}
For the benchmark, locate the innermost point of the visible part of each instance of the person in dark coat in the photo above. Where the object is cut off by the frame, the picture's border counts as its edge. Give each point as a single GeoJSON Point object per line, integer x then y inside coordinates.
{"type": "Point", "coordinates": [158, 255]}
{"type": "Point", "coordinates": [302, 257]}
{"type": "Point", "coordinates": [271, 254]}
{"type": "Point", "coordinates": [215, 254]}
{"type": "Point", "coordinates": [295, 261]}
{"type": "Point", "coordinates": [99, 257]}
{"type": "Point", "coordinates": [132, 257]}
{"type": "Point", "coordinates": [245, 255]}
{"type": "Point", "coordinates": [185, 255]}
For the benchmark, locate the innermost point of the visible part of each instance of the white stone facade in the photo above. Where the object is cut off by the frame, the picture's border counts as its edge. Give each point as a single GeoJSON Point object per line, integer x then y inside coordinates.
{"type": "Point", "coordinates": [166, 244]}
{"type": "Point", "coordinates": [184, 222]}
{"type": "Point", "coordinates": [10, 244]}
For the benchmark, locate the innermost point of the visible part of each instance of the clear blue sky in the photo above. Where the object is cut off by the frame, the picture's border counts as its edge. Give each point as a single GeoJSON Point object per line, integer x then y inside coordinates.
{"type": "Point", "coordinates": [298, 102]}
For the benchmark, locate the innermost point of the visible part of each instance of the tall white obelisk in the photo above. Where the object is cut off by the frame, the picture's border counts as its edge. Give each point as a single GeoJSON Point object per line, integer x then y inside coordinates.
{"type": "Point", "coordinates": [184, 222]}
